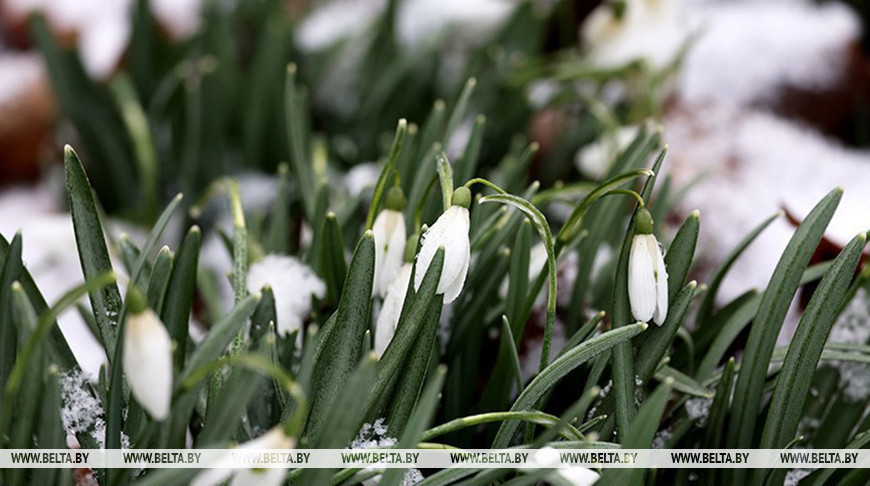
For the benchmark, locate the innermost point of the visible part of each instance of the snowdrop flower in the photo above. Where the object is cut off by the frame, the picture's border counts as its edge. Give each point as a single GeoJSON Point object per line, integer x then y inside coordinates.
{"type": "Point", "coordinates": [275, 438]}
{"type": "Point", "coordinates": [450, 232]}
{"type": "Point", "coordinates": [647, 276]}
{"type": "Point", "coordinates": [388, 318]}
{"type": "Point", "coordinates": [389, 232]}
{"type": "Point", "coordinates": [293, 284]}
{"type": "Point", "coordinates": [547, 457]}
{"type": "Point", "coordinates": [620, 32]}
{"type": "Point", "coordinates": [147, 357]}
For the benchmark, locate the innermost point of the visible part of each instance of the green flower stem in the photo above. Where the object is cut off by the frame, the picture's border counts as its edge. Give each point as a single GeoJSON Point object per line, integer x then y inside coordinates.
{"type": "Point", "coordinates": [389, 168]}
{"type": "Point", "coordinates": [534, 417]}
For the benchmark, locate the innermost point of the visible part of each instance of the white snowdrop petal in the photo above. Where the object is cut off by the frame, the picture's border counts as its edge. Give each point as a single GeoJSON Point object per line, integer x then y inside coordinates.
{"type": "Point", "coordinates": [389, 249]}
{"type": "Point", "coordinates": [573, 476]}
{"type": "Point", "coordinates": [641, 278]}
{"type": "Point", "coordinates": [455, 287]}
{"type": "Point", "coordinates": [148, 362]}
{"type": "Point", "coordinates": [456, 248]}
{"type": "Point", "coordinates": [433, 238]}
{"type": "Point", "coordinates": [661, 312]}
{"type": "Point", "coordinates": [391, 310]}
{"type": "Point", "coordinates": [273, 439]}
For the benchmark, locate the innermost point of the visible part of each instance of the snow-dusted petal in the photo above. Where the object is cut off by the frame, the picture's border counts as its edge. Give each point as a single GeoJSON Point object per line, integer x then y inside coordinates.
{"type": "Point", "coordinates": [432, 239]}
{"type": "Point", "coordinates": [389, 233]}
{"type": "Point", "coordinates": [148, 362]}
{"type": "Point", "coordinates": [661, 288]}
{"type": "Point", "coordinates": [391, 310]}
{"type": "Point", "coordinates": [641, 277]}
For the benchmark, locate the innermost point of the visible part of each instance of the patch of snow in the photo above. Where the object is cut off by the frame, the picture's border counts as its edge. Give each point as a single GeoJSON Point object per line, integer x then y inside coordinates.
{"type": "Point", "coordinates": [661, 438]}
{"type": "Point", "coordinates": [81, 412]}
{"type": "Point", "coordinates": [335, 21]}
{"type": "Point", "coordinates": [375, 436]}
{"type": "Point", "coordinates": [756, 164]}
{"type": "Point", "coordinates": [49, 253]}
{"type": "Point", "coordinates": [853, 326]}
{"type": "Point", "coordinates": [293, 284]}
{"type": "Point", "coordinates": [794, 476]}
{"type": "Point", "coordinates": [698, 409]}
{"type": "Point", "coordinates": [746, 51]}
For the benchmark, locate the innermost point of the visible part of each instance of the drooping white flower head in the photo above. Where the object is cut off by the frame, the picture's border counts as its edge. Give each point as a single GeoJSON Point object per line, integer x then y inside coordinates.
{"type": "Point", "coordinates": [389, 233]}
{"type": "Point", "coordinates": [147, 357]}
{"type": "Point", "coordinates": [450, 231]}
{"type": "Point", "coordinates": [293, 284]}
{"type": "Point", "coordinates": [647, 275]}
{"type": "Point", "coordinates": [388, 319]}
{"type": "Point", "coordinates": [618, 33]}
{"type": "Point", "coordinates": [547, 457]}
{"type": "Point", "coordinates": [275, 438]}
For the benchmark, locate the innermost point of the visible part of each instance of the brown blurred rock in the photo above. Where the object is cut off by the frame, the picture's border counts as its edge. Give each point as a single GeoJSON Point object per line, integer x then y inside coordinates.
{"type": "Point", "coordinates": [26, 115]}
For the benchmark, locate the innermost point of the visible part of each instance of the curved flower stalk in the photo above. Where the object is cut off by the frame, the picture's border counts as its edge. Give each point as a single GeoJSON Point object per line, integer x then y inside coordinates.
{"type": "Point", "coordinates": [647, 275]}
{"type": "Point", "coordinates": [547, 457]}
{"type": "Point", "coordinates": [388, 318]}
{"type": "Point", "coordinates": [275, 438]}
{"type": "Point", "coordinates": [147, 357]}
{"type": "Point", "coordinates": [450, 232]}
{"type": "Point", "coordinates": [389, 231]}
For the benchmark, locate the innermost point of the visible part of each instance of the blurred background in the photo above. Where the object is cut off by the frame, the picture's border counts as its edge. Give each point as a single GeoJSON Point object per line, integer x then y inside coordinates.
{"type": "Point", "coordinates": [765, 106]}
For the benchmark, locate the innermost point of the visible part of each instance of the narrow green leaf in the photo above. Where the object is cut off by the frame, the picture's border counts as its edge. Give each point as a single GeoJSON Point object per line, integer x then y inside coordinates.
{"type": "Point", "coordinates": [859, 442]}
{"type": "Point", "coordinates": [623, 367]}
{"type": "Point", "coordinates": [765, 328]}
{"type": "Point", "coordinates": [715, 429]}
{"type": "Point", "coordinates": [557, 370]}
{"type": "Point", "coordinates": [220, 335]}
{"type": "Point", "coordinates": [678, 259]}
{"type": "Point", "coordinates": [445, 178]}
{"type": "Point", "coordinates": [420, 419]}
{"type": "Point", "coordinates": [640, 435]}
{"type": "Point", "coordinates": [727, 333]}
{"type": "Point", "coordinates": [347, 418]}
{"type": "Point", "coordinates": [459, 109]}
{"type": "Point", "coordinates": [59, 348]}
{"type": "Point", "coordinates": [682, 382]}
{"type": "Point", "coordinates": [159, 280]}
{"type": "Point", "coordinates": [466, 166]}
{"type": "Point", "coordinates": [332, 265]}
{"type": "Point", "coordinates": [8, 336]}
{"type": "Point", "coordinates": [180, 290]}
{"type": "Point", "coordinates": [93, 254]}
{"type": "Point", "coordinates": [339, 350]}
{"type": "Point", "coordinates": [416, 369]}
{"type": "Point", "coordinates": [297, 140]}
{"type": "Point", "coordinates": [386, 171]}
{"type": "Point", "coordinates": [278, 236]}
{"type": "Point", "coordinates": [705, 311]}
{"type": "Point", "coordinates": [654, 344]}
{"type": "Point", "coordinates": [412, 321]}
{"type": "Point", "coordinates": [805, 349]}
